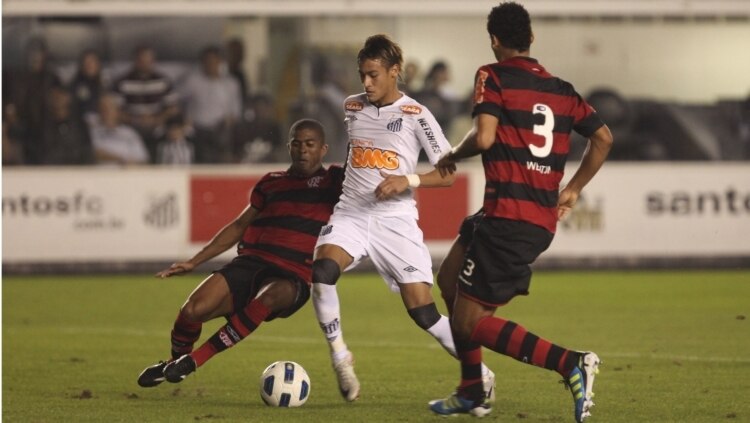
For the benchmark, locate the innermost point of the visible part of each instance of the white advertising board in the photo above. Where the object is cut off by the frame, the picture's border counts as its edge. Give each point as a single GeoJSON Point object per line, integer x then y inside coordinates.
{"type": "Point", "coordinates": [90, 214]}
{"type": "Point", "coordinates": [660, 210]}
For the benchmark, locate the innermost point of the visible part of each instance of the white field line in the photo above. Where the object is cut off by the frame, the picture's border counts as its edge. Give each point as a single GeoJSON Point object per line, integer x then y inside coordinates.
{"type": "Point", "coordinates": [388, 344]}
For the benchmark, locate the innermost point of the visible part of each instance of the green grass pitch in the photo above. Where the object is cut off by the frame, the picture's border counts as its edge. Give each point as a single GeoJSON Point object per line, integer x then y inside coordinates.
{"type": "Point", "coordinates": [675, 346]}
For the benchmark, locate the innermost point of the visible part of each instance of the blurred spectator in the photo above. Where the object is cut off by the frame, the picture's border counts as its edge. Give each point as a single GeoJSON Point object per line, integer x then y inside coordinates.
{"type": "Point", "coordinates": [88, 84]}
{"type": "Point", "coordinates": [174, 148]}
{"type": "Point", "coordinates": [259, 138]}
{"type": "Point", "coordinates": [330, 94]}
{"type": "Point", "coordinates": [436, 96]}
{"type": "Point", "coordinates": [29, 90]}
{"type": "Point", "coordinates": [409, 79]}
{"type": "Point", "coordinates": [212, 103]}
{"type": "Point", "coordinates": [114, 142]}
{"type": "Point", "coordinates": [235, 58]}
{"type": "Point", "coordinates": [65, 138]}
{"type": "Point", "coordinates": [12, 136]}
{"type": "Point", "coordinates": [149, 97]}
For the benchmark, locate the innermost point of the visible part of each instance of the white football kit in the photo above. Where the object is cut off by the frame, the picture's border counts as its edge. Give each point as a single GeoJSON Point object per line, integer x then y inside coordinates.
{"type": "Point", "coordinates": [386, 139]}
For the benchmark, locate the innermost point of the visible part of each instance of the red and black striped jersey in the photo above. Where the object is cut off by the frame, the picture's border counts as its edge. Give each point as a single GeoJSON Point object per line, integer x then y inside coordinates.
{"type": "Point", "coordinates": [537, 112]}
{"type": "Point", "coordinates": [291, 211]}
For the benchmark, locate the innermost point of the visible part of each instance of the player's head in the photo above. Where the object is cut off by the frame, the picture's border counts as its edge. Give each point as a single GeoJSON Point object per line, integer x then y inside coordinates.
{"type": "Point", "coordinates": [509, 25]}
{"type": "Point", "coordinates": [307, 146]}
{"type": "Point", "coordinates": [380, 62]}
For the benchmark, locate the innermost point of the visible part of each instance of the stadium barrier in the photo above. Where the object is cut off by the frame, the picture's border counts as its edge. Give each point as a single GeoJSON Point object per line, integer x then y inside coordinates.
{"type": "Point", "coordinates": [138, 219]}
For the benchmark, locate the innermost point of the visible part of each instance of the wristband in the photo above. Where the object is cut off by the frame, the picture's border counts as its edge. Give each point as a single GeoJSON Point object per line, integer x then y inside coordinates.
{"type": "Point", "coordinates": [413, 179]}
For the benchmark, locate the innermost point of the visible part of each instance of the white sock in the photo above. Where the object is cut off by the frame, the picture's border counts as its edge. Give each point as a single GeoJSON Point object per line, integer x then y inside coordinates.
{"type": "Point", "coordinates": [327, 309]}
{"type": "Point", "coordinates": [442, 332]}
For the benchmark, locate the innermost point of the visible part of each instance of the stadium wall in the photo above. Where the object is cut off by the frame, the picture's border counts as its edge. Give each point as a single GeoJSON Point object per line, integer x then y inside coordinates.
{"type": "Point", "coordinates": [107, 219]}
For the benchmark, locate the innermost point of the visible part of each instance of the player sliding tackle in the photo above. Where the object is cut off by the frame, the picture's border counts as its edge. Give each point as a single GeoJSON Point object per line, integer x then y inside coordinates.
{"type": "Point", "coordinates": [523, 117]}
{"type": "Point", "coordinates": [376, 216]}
{"type": "Point", "coordinates": [270, 277]}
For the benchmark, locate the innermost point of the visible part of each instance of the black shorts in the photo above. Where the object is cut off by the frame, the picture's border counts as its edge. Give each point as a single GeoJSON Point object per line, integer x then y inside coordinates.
{"type": "Point", "coordinates": [246, 275]}
{"type": "Point", "coordinates": [496, 267]}
{"type": "Point", "coordinates": [466, 231]}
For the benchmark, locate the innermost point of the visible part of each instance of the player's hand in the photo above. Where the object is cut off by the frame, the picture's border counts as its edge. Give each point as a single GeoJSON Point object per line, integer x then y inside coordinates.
{"type": "Point", "coordinates": [176, 269]}
{"type": "Point", "coordinates": [565, 202]}
{"type": "Point", "coordinates": [447, 164]}
{"type": "Point", "coordinates": [391, 186]}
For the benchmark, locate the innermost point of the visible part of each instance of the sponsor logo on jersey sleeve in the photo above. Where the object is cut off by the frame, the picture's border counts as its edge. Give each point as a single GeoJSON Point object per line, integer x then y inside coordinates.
{"type": "Point", "coordinates": [430, 135]}
{"type": "Point", "coordinates": [411, 109]}
{"type": "Point", "coordinates": [479, 86]}
{"type": "Point", "coordinates": [354, 106]}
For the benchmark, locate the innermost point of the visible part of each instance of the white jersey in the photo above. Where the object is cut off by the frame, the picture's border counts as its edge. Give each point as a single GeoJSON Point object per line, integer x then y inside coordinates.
{"type": "Point", "coordinates": [388, 138]}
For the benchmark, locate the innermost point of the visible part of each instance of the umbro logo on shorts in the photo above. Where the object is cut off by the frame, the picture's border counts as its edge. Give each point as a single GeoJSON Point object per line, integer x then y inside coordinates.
{"type": "Point", "coordinates": [395, 125]}
{"type": "Point", "coordinates": [325, 230]}
{"type": "Point", "coordinates": [410, 269]}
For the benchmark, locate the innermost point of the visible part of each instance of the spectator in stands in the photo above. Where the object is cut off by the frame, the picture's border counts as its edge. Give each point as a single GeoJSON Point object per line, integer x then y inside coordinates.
{"type": "Point", "coordinates": [235, 58]}
{"type": "Point", "coordinates": [330, 93]}
{"type": "Point", "coordinates": [436, 96]}
{"type": "Point", "coordinates": [65, 138]}
{"type": "Point", "coordinates": [409, 79]}
{"type": "Point", "coordinates": [259, 137]}
{"type": "Point", "coordinates": [12, 136]}
{"type": "Point", "coordinates": [149, 97]}
{"type": "Point", "coordinates": [88, 85]}
{"type": "Point", "coordinates": [115, 143]}
{"type": "Point", "coordinates": [29, 91]}
{"type": "Point", "coordinates": [212, 103]}
{"type": "Point", "coordinates": [174, 148]}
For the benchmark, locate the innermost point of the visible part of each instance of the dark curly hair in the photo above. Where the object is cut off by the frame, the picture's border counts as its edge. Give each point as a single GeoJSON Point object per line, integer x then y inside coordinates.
{"type": "Point", "coordinates": [511, 24]}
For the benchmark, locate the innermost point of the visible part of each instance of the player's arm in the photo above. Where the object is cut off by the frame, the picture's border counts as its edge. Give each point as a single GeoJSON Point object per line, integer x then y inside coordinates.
{"type": "Point", "coordinates": [596, 152]}
{"type": "Point", "coordinates": [225, 239]}
{"type": "Point", "coordinates": [479, 139]}
{"type": "Point", "coordinates": [392, 185]}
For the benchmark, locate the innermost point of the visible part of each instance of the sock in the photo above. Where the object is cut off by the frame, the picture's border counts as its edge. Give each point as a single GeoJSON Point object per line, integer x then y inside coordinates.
{"type": "Point", "coordinates": [470, 356]}
{"type": "Point", "coordinates": [184, 334]}
{"type": "Point", "coordinates": [328, 312]}
{"type": "Point", "coordinates": [442, 332]}
{"type": "Point", "coordinates": [239, 326]}
{"type": "Point", "coordinates": [513, 340]}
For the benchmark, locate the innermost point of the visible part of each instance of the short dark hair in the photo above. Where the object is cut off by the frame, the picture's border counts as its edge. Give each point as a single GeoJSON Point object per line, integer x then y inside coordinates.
{"type": "Point", "coordinates": [308, 123]}
{"type": "Point", "coordinates": [380, 47]}
{"type": "Point", "coordinates": [511, 24]}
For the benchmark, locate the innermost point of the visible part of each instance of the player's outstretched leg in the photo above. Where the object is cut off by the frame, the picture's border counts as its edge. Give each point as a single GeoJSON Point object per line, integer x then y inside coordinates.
{"type": "Point", "coordinates": [580, 381]}
{"type": "Point", "coordinates": [184, 334]}
{"type": "Point", "coordinates": [577, 368]}
{"type": "Point", "coordinates": [239, 326]}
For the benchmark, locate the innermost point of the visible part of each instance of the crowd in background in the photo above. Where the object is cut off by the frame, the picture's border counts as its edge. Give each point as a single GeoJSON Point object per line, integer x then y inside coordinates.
{"type": "Point", "coordinates": [141, 116]}
{"type": "Point", "coordinates": [210, 115]}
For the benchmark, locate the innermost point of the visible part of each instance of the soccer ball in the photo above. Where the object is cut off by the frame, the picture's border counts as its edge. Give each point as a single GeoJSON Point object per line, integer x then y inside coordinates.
{"type": "Point", "coordinates": [284, 384]}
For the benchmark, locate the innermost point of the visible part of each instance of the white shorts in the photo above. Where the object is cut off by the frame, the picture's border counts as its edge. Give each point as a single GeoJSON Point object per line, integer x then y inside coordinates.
{"type": "Point", "coordinates": [394, 245]}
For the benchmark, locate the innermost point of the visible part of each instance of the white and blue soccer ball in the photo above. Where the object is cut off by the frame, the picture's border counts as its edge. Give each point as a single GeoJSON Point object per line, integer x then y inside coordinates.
{"type": "Point", "coordinates": [284, 384]}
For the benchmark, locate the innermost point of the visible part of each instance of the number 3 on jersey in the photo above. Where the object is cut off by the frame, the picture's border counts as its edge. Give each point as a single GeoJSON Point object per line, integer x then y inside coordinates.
{"type": "Point", "coordinates": [544, 130]}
